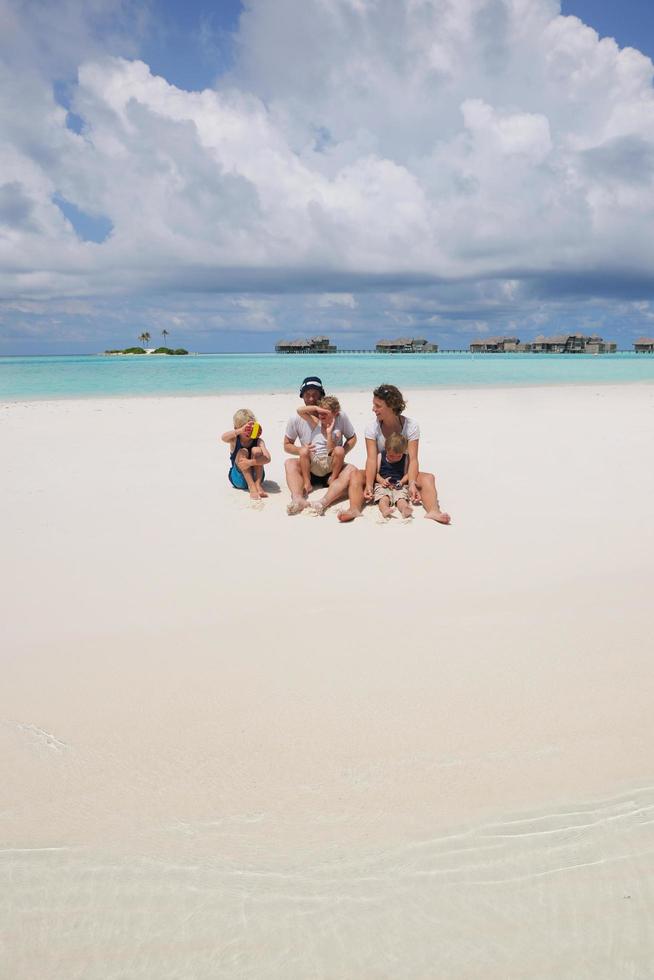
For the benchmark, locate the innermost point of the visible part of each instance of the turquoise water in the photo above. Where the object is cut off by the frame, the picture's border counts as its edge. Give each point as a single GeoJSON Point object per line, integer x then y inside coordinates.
{"type": "Point", "coordinates": [86, 376]}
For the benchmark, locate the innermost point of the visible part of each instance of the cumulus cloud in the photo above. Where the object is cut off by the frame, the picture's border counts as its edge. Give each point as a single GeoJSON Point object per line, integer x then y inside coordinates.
{"type": "Point", "coordinates": [355, 146]}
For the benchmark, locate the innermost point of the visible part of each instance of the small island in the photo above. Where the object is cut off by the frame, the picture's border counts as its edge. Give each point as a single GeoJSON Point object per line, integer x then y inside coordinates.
{"type": "Point", "coordinates": [148, 350]}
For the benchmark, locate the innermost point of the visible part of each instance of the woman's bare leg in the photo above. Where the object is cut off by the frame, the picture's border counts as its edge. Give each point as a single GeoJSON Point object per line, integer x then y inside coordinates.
{"type": "Point", "coordinates": [427, 487]}
{"type": "Point", "coordinates": [355, 494]}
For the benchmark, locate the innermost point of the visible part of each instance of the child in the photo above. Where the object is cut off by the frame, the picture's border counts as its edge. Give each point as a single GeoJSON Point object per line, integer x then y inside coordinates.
{"type": "Point", "coordinates": [247, 455]}
{"type": "Point", "coordinates": [392, 477]}
{"type": "Point", "coordinates": [324, 454]}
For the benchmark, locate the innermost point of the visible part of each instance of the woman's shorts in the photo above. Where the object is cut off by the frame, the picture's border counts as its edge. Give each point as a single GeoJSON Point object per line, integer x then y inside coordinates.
{"type": "Point", "coordinates": [321, 465]}
{"type": "Point", "coordinates": [393, 493]}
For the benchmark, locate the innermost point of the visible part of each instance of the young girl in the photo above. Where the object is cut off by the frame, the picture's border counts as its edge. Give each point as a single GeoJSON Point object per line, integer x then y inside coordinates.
{"type": "Point", "coordinates": [247, 454]}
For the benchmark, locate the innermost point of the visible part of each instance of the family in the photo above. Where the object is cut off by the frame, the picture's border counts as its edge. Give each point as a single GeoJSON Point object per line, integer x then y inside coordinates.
{"type": "Point", "coordinates": [319, 437]}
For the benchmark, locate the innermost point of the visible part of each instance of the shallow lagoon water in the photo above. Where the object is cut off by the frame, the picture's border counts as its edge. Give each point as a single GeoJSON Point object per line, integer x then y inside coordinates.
{"type": "Point", "coordinates": [89, 376]}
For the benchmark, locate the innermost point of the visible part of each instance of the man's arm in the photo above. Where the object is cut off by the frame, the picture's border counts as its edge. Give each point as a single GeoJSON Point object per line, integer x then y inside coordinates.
{"type": "Point", "coordinates": [350, 443]}
{"type": "Point", "coordinates": [290, 447]}
{"type": "Point", "coordinates": [351, 440]}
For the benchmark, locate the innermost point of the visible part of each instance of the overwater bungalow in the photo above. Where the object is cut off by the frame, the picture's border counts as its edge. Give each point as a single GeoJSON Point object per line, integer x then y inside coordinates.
{"type": "Point", "coordinates": [311, 345]}
{"type": "Point", "coordinates": [644, 345]}
{"type": "Point", "coordinates": [406, 345]}
{"type": "Point", "coordinates": [574, 343]}
{"type": "Point", "coordinates": [496, 345]}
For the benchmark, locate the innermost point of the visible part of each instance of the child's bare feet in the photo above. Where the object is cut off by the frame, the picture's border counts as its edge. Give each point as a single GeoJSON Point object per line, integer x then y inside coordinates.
{"type": "Point", "coordinates": [405, 509]}
{"type": "Point", "coordinates": [254, 494]}
{"type": "Point", "coordinates": [438, 515]}
{"type": "Point", "coordinates": [318, 508]}
{"type": "Point", "coordinates": [262, 492]}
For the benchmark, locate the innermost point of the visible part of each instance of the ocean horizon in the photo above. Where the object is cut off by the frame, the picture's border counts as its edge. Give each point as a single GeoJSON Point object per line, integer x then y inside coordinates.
{"type": "Point", "coordinates": [60, 376]}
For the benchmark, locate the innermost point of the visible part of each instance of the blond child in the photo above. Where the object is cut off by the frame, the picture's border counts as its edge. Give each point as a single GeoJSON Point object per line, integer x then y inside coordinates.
{"type": "Point", "coordinates": [324, 455]}
{"type": "Point", "coordinates": [248, 453]}
{"type": "Point", "coordinates": [392, 477]}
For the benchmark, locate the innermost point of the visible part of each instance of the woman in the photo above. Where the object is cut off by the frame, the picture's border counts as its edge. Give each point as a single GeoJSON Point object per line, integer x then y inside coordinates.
{"type": "Point", "coordinates": [388, 405]}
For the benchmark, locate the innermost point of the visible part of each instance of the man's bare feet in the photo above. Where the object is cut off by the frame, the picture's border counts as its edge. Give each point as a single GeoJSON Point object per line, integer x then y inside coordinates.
{"type": "Point", "coordinates": [262, 492]}
{"type": "Point", "coordinates": [255, 495]}
{"type": "Point", "coordinates": [345, 516]}
{"type": "Point", "coordinates": [438, 515]}
{"type": "Point", "coordinates": [296, 506]}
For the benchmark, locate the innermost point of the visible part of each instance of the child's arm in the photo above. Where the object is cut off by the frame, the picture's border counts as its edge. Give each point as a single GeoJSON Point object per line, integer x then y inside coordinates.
{"type": "Point", "coordinates": [310, 413]}
{"type": "Point", "coordinates": [379, 478]}
{"type": "Point", "coordinates": [264, 457]}
{"type": "Point", "coordinates": [232, 434]}
{"type": "Point", "coordinates": [330, 436]}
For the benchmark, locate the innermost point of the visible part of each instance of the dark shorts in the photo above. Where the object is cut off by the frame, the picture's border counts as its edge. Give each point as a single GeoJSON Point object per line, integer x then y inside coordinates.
{"type": "Point", "coordinates": [319, 481]}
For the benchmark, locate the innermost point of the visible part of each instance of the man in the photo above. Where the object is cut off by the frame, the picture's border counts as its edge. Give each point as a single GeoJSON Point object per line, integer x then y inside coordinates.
{"type": "Point", "coordinates": [298, 430]}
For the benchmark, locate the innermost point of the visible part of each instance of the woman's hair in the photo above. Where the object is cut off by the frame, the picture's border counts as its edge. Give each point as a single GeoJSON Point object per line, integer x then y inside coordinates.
{"type": "Point", "coordinates": [330, 402]}
{"type": "Point", "coordinates": [242, 416]}
{"type": "Point", "coordinates": [396, 443]}
{"type": "Point", "coordinates": [392, 396]}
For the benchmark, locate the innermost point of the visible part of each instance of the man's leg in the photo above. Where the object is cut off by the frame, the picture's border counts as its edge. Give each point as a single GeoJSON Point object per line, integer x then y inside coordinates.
{"type": "Point", "coordinates": [336, 490]}
{"type": "Point", "coordinates": [427, 487]}
{"type": "Point", "coordinates": [295, 485]}
{"type": "Point", "coordinates": [305, 468]}
{"type": "Point", "coordinates": [355, 493]}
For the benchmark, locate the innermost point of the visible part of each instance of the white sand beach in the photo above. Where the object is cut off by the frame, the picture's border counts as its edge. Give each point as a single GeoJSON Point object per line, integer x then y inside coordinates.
{"type": "Point", "coordinates": [237, 744]}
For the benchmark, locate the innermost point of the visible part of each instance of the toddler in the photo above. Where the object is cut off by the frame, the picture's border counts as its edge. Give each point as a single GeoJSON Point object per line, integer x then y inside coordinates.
{"type": "Point", "coordinates": [392, 477]}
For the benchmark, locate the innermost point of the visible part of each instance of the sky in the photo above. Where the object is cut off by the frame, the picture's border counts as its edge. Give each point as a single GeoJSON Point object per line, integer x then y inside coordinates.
{"type": "Point", "coordinates": [236, 173]}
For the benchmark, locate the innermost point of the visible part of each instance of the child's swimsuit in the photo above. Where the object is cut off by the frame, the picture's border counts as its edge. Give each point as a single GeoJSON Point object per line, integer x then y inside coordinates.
{"type": "Point", "coordinates": [392, 471]}
{"type": "Point", "coordinates": [235, 476]}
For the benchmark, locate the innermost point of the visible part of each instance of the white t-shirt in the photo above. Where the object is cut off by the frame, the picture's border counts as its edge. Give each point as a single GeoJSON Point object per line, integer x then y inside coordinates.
{"type": "Point", "coordinates": [299, 428]}
{"type": "Point", "coordinates": [410, 429]}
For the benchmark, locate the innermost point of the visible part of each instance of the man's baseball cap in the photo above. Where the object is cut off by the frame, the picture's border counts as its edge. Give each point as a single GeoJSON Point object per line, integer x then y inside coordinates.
{"type": "Point", "coordinates": [312, 382]}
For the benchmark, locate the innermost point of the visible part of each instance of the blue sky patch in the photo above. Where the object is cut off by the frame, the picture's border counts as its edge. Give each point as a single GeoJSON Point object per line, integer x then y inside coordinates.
{"type": "Point", "coordinates": [88, 227]}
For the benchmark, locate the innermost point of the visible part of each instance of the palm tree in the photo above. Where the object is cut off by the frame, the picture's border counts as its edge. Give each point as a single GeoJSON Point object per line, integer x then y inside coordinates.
{"type": "Point", "coordinates": [144, 338]}
{"type": "Point", "coordinates": [164, 334]}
